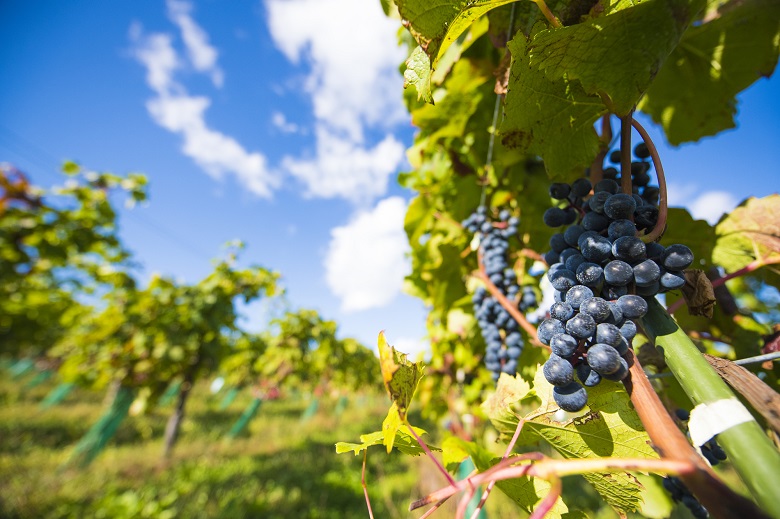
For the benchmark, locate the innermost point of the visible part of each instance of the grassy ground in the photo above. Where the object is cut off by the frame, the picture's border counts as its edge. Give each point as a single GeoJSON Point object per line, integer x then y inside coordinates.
{"type": "Point", "coordinates": [282, 467]}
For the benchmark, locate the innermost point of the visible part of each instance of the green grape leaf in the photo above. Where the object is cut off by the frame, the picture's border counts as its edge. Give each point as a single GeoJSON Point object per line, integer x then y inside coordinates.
{"type": "Point", "coordinates": [607, 427]}
{"type": "Point", "coordinates": [418, 74]}
{"type": "Point", "coordinates": [614, 56]}
{"type": "Point", "coordinates": [693, 95]}
{"type": "Point", "coordinates": [549, 117]}
{"type": "Point", "coordinates": [436, 24]}
{"type": "Point", "coordinates": [404, 442]}
{"type": "Point", "coordinates": [750, 232]}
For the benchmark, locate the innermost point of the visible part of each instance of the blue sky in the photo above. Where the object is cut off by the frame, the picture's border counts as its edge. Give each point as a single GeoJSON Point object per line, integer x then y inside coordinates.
{"type": "Point", "coordinates": [279, 123]}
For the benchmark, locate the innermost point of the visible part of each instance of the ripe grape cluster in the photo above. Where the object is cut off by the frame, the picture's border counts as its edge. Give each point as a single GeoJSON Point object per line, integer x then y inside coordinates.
{"type": "Point", "coordinates": [499, 329]}
{"type": "Point", "coordinates": [680, 493]}
{"type": "Point", "coordinates": [602, 271]}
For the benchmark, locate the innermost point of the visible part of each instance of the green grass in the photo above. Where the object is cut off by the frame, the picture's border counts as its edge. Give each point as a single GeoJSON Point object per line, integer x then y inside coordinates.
{"type": "Point", "coordinates": [281, 467]}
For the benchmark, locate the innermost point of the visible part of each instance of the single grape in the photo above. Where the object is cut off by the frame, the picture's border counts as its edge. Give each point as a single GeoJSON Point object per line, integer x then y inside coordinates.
{"type": "Point", "coordinates": [606, 185]}
{"type": "Point", "coordinates": [629, 248]}
{"type": "Point", "coordinates": [590, 274]}
{"type": "Point", "coordinates": [618, 273]}
{"type": "Point", "coordinates": [677, 257]}
{"type": "Point", "coordinates": [595, 248]}
{"type": "Point", "coordinates": [633, 307]}
{"type": "Point", "coordinates": [571, 397]}
{"type": "Point", "coordinates": [597, 308]}
{"type": "Point", "coordinates": [547, 329]}
{"type": "Point", "coordinates": [581, 187]}
{"type": "Point", "coordinates": [563, 345]}
{"type": "Point", "coordinates": [620, 228]}
{"type": "Point", "coordinates": [641, 151]}
{"type": "Point", "coordinates": [628, 330]}
{"type": "Point", "coordinates": [559, 191]}
{"type": "Point", "coordinates": [672, 280]}
{"type": "Point", "coordinates": [577, 294]}
{"type": "Point", "coordinates": [614, 157]}
{"type": "Point", "coordinates": [581, 326]}
{"type": "Point", "coordinates": [554, 217]}
{"type": "Point", "coordinates": [574, 261]}
{"type": "Point", "coordinates": [562, 279]}
{"type": "Point", "coordinates": [562, 311]}
{"type": "Point", "coordinates": [595, 222]}
{"type": "Point", "coordinates": [646, 273]}
{"type": "Point", "coordinates": [558, 371]}
{"type": "Point", "coordinates": [607, 333]}
{"type": "Point", "coordinates": [603, 358]}
{"type": "Point", "coordinates": [620, 206]}
{"type": "Point", "coordinates": [597, 201]}
{"type": "Point", "coordinates": [571, 235]}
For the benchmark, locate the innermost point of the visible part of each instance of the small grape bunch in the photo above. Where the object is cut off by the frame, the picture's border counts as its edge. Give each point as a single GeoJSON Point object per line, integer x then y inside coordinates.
{"type": "Point", "coordinates": [589, 337]}
{"type": "Point", "coordinates": [499, 329]}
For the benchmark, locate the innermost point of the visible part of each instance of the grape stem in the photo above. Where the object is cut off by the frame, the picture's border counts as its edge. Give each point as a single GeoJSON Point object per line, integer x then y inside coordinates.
{"type": "Point", "coordinates": [430, 454]}
{"type": "Point", "coordinates": [508, 306]}
{"type": "Point", "coordinates": [625, 155]}
{"type": "Point", "coordinates": [747, 269]}
{"type": "Point", "coordinates": [365, 487]}
{"type": "Point", "coordinates": [597, 168]}
{"type": "Point", "coordinates": [548, 14]}
{"type": "Point", "coordinates": [660, 225]}
{"type": "Point", "coordinates": [507, 452]}
{"type": "Point", "coordinates": [552, 470]}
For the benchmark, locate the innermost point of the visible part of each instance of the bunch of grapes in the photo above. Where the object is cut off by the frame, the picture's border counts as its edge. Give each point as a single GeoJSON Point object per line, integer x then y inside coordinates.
{"type": "Point", "coordinates": [602, 272]}
{"type": "Point", "coordinates": [680, 493]}
{"type": "Point", "coordinates": [499, 329]}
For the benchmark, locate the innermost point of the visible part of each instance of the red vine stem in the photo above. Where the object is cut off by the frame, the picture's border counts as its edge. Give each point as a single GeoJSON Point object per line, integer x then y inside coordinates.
{"type": "Point", "coordinates": [625, 155]}
{"type": "Point", "coordinates": [658, 230]}
{"type": "Point", "coordinates": [430, 455]}
{"type": "Point", "coordinates": [365, 487]}
{"type": "Point", "coordinates": [551, 469]}
{"type": "Point", "coordinates": [507, 452]}
{"type": "Point", "coordinates": [546, 504]}
{"type": "Point", "coordinates": [747, 269]}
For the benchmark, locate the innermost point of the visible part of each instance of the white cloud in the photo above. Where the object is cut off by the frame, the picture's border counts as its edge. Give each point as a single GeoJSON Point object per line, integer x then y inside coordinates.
{"type": "Point", "coordinates": [708, 205]}
{"type": "Point", "coordinates": [711, 205]}
{"type": "Point", "coordinates": [366, 259]}
{"type": "Point", "coordinates": [345, 169]}
{"type": "Point", "coordinates": [202, 55]}
{"type": "Point", "coordinates": [354, 86]}
{"type": "Point", "coordinates": [178, 112]}
{"type": "Point", "coordinates": [280, 121]}
{"type": "Point", "coordinates": [415, 348]}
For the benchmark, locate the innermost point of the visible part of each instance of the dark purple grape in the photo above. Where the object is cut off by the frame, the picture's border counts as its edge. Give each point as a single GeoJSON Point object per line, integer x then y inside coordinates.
{"type": "Point", "coordinates": [595, 222]}
{"type": "Point", "coordinates": [590, 274]}
{"type": "Point", "coordinates": [562, 279]}
{"type": "Point", "coordinates": [595, 248]}
{"type": "Point", "coordinates": [581, 326]}
{"type": "Point", "coordinates": [562, 311]}
{"type": "Point", "coordinates": [606, 185]}
{"type": "Point", "coordinates": [554, 217]}
{"type": "Point", "coordinates": [618, 273]}
{"type": "Point", "coordinates": [571, 397]}
{"type": "Point", "coordinates": [558, 371]}
{"type": "Point", "coordinates": [603, 358]}
{"type": "Point", "coordinates": [620, 228]}
{"type": "Point", "coordinates": [557, 243]}
{"type": "Point", "coordinates": [641, 151]}
{"type": "Point", "coordinates": [677, 257]}
{"type": "Point", "coordinates": [613, 293]}
{"type": "Point", "coordinates": [597, 308]}
{"type": "Point", "coordinates": [607, 333]}
{"type": "Point", "coordinates": [646, 273]}
{"type": "Point", "coordinates": [559, 191]}
{"type": "Point", "coordinates": [628, 330]}
{"type": "Point", "coordinates": [587, 375]}
{"type": "Point", "coordinates": [614, 157]}
{"type": "Point", "coordinates": [577, 295]}
{"type": "Point", "coordinates": [620, 206]}
{"type": "Point", "coordinates": [581, 187]}
{"type": "Point", "coordinates": [572, 234]}
{"type": "Point", "coordinates": [597, 201]}
{"type": "Point", "coordinates": [547, 329]}
{"type": "Point", "coordinates": [574, 261]}
{"type": "Point", "coordinates": [633, 307]}
{"type": "Point", "coordinates": [629, 248]}
{"type": "Point", "coordinates": [672, 280]}
{"type": "Point", "coordinates": [563, 345]}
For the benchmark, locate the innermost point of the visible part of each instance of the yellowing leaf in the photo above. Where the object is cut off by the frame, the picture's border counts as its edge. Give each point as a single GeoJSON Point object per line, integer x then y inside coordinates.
{"type": "Point", "coordinates": [399, 375]}
{"type": "Point", "coordinates": [750, 232]}
{"type": "Point", "coordinates": [404, 442]}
